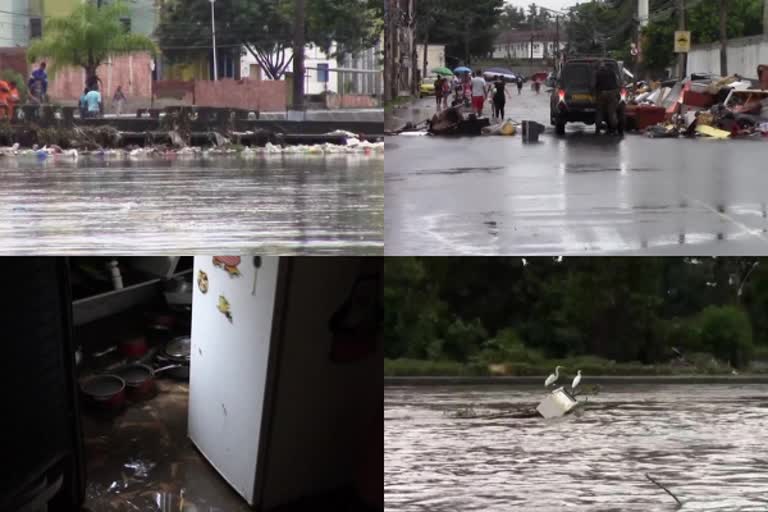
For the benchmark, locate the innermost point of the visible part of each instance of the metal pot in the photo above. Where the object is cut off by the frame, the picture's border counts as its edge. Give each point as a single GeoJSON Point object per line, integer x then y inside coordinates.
{"type": "Point", "coordinates": [176, 353]}
{"type": "Point", "coordinates": [135, 347]}
{"type": "Point", "coordinates": [139, 380]}
{"type": "Point", "coordinates": [106, 392]}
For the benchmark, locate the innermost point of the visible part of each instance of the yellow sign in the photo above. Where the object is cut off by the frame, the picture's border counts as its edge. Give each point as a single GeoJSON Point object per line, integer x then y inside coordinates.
{"type": "Point", "coordinates": [682, 41]}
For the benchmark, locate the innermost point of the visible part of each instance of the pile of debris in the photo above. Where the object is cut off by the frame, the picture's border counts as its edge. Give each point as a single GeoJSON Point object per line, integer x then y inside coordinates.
{"type": "Point", "coordinates": [703, 105]}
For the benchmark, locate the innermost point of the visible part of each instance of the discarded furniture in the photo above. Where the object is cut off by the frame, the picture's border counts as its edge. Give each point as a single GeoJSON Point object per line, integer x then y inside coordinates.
{"type": "Point", "coordinates": [558, 403]}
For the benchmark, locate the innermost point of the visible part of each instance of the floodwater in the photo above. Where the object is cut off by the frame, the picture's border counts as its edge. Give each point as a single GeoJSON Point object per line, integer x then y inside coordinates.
{"type": "Point", "coordinates": [290, 204]}
{"type": "Point", "coordinates": [706, 444]}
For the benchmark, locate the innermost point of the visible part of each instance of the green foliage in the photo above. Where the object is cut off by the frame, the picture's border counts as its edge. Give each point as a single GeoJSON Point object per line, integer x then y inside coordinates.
{"type": "Point", "coordinates": [467, 28]}
{"type": "Point", "coordinates": [726, 333]}
{"type": "Point", "coordinates": [87, 37]}
{"type": "Point", "coordinates": [10, 75]}
{"type": "Point", "coordinates": [619, 314]}
{"type": "Point", "coordinates": [266, 28]}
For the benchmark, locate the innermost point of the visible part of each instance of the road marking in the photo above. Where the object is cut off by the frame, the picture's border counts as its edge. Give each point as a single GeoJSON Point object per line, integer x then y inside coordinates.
{"type": "Point", "coordinates": [754, 232]}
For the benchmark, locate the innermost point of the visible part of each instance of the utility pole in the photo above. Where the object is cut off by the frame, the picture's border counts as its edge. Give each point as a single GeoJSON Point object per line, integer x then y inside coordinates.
{"type": "Point", "coordinates": [681, 57]}
{"type": "Point", "coordinates": [557, 42]}
{"type": "Point", "coordinates": [723, 38]}
{"type": "Point", "coordinates": [213, 35]}
{"type": "Point", "coordinates": [298, 56]}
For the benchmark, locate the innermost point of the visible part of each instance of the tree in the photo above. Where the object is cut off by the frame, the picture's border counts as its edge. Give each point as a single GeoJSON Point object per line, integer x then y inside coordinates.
{"type": "Point", "coordinates": [265, 28]}
{"type": "Point", "coordinates": [468, 28]}
{"type": "Point", "coordinates": [86, 38]}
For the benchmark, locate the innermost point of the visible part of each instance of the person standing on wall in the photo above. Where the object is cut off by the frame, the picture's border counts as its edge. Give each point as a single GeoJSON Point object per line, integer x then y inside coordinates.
{"type": "Point", "coordinates": [93, 102]}
{"type": "Point", "coordinates": [38, 84]}
{"type": "Point", "coordinates": [118, 100]}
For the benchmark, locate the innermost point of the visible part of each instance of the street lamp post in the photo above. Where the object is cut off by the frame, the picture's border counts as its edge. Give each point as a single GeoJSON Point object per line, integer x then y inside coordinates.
{"type": "Point", "coordinates": [213, 35]}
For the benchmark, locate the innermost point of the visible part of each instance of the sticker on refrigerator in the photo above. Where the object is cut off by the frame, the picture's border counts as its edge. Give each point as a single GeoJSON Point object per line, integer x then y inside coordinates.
{"type": "Point", "coordinates": [202, 281]}
{"type": "Point", "coordinates": [228, 263]}
{"type": "Point", "coordinates": [224, 307]}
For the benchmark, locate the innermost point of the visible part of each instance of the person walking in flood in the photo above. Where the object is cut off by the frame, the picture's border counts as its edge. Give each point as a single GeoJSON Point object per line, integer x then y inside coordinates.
{"type": "Point", "coordinates": [118, 99]}
{"type": "Point", "coordinates": [607, 92]}
{"type": "Point", "coordinates": [479, 92]}
{"type": "Point", "coordinates": [499, 97]}
{"type": "Point", "coordinates": [519, 82]}
{"type": "Point", "coordinates": [439, 92]}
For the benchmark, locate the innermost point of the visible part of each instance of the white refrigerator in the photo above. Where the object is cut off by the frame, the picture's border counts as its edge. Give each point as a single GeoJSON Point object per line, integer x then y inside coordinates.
{"type": "Point", "coordinates": [286, 371]}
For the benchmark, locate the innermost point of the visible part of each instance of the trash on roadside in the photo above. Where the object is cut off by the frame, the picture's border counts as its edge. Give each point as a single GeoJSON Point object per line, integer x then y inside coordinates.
{"type": "Point", "coordinates": [704, 105]}
{"type": "Point", "coordinates": [711, 131]}
{"type": "Point", "coordinates": [531, 131]}
{"type": "Point", "coordinates": [507, 128]}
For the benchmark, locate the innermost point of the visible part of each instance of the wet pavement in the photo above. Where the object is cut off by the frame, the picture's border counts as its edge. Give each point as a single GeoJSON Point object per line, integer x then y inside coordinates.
{"type": "Point", "coordinates": [704, 443]}
{"type": "Point", "coordinates": [577, 194]}
{"type": "Point", "coordinates": [292, 204]}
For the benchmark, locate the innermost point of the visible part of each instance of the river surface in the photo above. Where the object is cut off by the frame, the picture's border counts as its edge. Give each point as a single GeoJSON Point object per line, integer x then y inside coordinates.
{"type": "Point", "coordinates": [706, 444]}
{"type": "Point", "coordinates": [290, 204]}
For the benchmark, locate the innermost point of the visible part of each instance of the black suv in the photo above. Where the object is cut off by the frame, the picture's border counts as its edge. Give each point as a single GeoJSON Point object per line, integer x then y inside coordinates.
{"type": "Point", "coordinates": [573, 98]}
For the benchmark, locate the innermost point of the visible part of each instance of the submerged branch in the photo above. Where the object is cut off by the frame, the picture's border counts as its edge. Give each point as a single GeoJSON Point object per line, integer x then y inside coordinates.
{"type": "Point", "coordinates": [649, 477]}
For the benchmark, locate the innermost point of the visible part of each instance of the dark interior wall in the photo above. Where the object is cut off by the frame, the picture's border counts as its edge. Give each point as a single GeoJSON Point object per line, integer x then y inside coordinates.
{"type": "Point", "coordinates": [40, 431]}
{"type": "Point", "coordinates": [324, 411]}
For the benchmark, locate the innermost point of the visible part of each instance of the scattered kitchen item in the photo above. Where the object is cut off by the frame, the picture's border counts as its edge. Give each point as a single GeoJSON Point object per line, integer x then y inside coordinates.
{"type": "Point", "coordinates": [257, 264]}
{"type": "Point", "coordinates": [105, 352]}
{"type": "Point", "coordinates": [134, 347]}
{"type": "Point", "coordinates": [176, 352]}
{"type": "Point", "coordinates": [139, 380]}
{"type": "Point", "coordinates": [106, 392]}
{"type": "Point", "coordinates": [117, 279]}
{"type": "Point", "coordinates": [178, 291]}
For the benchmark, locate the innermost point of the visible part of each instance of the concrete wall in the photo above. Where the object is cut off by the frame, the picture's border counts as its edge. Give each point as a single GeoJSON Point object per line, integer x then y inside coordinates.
{"type": "Point", "coordinates": [59, 7]}
{"type": "Point", "coordinates": [268, 96]}
{"type": "Point", "coordinates": [312, 57]}
{"type": "Point", "coordinates": [15, 59]}
{"type": "Point", "coordinates": [335, 101]}
{"type": "Point", "coordinates": [744, 55]}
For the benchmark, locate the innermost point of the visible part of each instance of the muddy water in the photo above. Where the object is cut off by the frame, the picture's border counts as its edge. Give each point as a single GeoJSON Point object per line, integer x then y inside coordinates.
{"type": "Point", "coordinates": [706, 444]}
{"type": "Point", "coordinates": [285, 205]}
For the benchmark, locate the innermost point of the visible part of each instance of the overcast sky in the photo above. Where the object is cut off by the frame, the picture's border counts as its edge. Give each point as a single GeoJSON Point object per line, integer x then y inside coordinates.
{"type": "Point", "coordinates": [551, 4]}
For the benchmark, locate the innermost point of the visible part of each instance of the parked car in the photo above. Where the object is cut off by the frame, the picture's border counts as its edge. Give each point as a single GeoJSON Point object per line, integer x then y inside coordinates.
{"type": "Point", "coordinates": [427, 86]}
{"type": "Point", "coordinates": [573, 98]}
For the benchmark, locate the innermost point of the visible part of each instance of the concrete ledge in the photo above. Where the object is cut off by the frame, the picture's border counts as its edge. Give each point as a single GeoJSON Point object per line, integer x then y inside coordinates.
{"type": "Point", "coordinates": [589, 379]}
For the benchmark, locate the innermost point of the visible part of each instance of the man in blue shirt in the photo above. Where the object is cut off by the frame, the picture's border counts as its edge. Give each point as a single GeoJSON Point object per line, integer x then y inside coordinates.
{"type": "Point", "coordinates": [93, 103]}
{"type": "Point", "coordinates": [38, 84]}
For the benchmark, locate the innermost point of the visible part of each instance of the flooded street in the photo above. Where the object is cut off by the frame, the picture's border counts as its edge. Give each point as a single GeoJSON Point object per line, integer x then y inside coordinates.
{"type": "Point", "coordinates": [291, 204]}
{"type": "Point", "coordinates": [704, 443]}
{"type": "Point", "coordinates": [576, 194]}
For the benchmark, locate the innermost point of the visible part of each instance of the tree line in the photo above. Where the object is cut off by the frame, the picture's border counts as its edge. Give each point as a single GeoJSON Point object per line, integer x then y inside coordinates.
{"type": "Point", "coordinates": [469, 29]}
{"type": "Point", "coordinates": [647, 310]}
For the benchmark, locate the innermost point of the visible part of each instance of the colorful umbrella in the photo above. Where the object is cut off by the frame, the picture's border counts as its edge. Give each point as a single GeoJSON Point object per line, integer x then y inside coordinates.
{"type": "Point", "coordinates": [443, 71]}
{"type": "Point", "coordinates": [462, 69]}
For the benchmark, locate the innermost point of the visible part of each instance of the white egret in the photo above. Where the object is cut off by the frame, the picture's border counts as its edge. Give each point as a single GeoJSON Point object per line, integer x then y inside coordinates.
{"type": "Point", "coordinates": [576, 381]}
{"type": "Point", "coordinates": [552, 377]}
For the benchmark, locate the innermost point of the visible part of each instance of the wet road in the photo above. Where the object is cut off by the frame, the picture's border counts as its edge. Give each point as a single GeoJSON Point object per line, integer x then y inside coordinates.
{"type": "Point", "coordinates": [271, 205]}
{"type": "Point", "coordinates": [706, 444]}
{"type": "Point", "coordinates": [577, 194]}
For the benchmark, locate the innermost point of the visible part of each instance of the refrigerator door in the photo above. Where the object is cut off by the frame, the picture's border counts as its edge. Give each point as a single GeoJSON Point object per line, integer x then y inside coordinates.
{"type": "Point", "coordinates": [231, 337]}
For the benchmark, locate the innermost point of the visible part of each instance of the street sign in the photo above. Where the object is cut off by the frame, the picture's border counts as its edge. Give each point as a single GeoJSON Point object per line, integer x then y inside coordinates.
{"type": "Point", "coordinates": [682, 41]}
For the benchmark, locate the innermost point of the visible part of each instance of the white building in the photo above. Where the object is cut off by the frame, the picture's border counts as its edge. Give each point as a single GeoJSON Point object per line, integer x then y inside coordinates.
{"type": "Point", "coordinates": [350, 74]}
{"type": "Point", "coordinates": [516, 45]}
{"type": "Point", "coordinates": [435, 56]}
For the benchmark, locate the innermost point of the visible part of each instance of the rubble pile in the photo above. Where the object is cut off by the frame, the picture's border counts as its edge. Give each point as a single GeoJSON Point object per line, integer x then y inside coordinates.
{"type": "Point", "coordinates": [702, 105]}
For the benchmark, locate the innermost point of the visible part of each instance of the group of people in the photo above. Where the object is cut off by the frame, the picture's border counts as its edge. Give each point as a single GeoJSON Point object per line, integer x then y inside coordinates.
{"type": "Point", "coordinates": [37, 88]}
{"type": "Point", "coordinates": [473, 91]}
{"type": "Point", "coordinates": [92, 105]}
